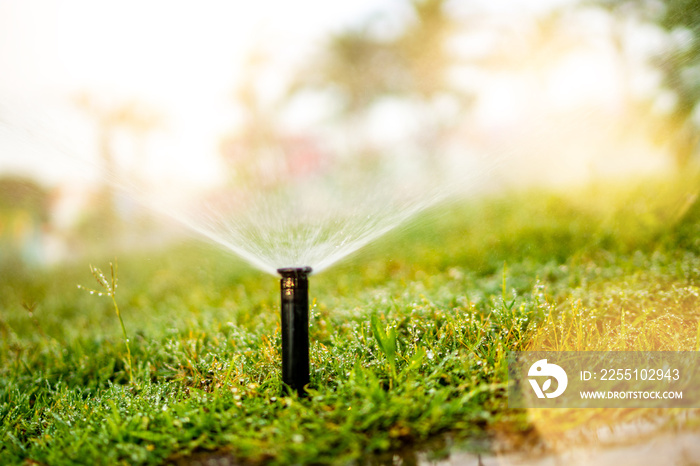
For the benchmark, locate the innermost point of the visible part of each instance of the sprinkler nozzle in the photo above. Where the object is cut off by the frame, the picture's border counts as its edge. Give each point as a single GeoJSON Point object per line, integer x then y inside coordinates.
{"type": "Point", "coordinates": [294, 292]}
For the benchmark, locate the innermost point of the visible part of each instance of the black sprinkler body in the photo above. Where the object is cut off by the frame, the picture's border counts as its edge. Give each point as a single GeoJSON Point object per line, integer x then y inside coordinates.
{"type": "Point", "coordinates": [295, 327]}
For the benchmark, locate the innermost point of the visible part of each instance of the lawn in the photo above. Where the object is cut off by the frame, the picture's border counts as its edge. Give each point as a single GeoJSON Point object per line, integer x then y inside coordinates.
{"type": "Point", "coordinates": [408, 338]}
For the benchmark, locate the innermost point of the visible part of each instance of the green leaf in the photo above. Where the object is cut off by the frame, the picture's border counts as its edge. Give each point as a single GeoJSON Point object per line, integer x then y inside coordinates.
{"type": "Point", "coordinates": [378, 333]}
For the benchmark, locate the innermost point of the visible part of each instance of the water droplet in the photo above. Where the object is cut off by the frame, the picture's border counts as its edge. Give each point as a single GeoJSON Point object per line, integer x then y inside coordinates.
{"type": "Point", "coordinates": [92, 292]}
{"type": "Point", "coordinates": [430, 354]}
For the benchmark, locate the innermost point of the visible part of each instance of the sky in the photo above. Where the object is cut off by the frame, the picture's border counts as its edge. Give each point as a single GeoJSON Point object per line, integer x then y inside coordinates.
{"type": "Point", "coordinates": [185, 59]}
{"type": "Point", "coordinates": [182, 58]}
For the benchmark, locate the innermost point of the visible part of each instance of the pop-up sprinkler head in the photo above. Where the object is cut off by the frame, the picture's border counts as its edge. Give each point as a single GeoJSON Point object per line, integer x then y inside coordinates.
{"type": "Point", "coordinates": [295, 327]}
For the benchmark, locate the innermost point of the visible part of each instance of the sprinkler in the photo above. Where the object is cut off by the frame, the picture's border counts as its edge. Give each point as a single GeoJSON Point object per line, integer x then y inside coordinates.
{"type": "Point", "coordinates": [294, 291]}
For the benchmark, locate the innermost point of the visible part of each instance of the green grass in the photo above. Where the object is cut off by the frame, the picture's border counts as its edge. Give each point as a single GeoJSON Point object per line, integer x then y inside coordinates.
{"type": "Point", "coordinates": [409, 337]}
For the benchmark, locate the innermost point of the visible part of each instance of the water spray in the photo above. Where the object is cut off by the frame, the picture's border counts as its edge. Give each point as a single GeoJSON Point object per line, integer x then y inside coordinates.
{"type": "Point", "coordinates": [294, 292]}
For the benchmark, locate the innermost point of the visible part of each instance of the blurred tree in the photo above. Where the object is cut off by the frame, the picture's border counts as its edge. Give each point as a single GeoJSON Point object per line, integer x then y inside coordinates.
{"type": "Point", "coordinates": [24, 212]}
{"type": "Point", "coordinates": [535, 45]}
{"type": "Point", "coordinates": [422, 48]}
{"type": "Point", "coordinates": [679, 63]}
{"type": "Point", "coordinates": [406, 64]}
{"type": "Point", "coordinates": [358, 67]}
{"type": "Point", "coordinates": [363, 66]}
{"type": "Point", "coordinates": [137, 119]}
{"type": "Point", "coordinates": [132, 116]}
{"type": "Point", "coordinates": [248, 151]}
{"type": "Point", "coordinates": [682, 73]}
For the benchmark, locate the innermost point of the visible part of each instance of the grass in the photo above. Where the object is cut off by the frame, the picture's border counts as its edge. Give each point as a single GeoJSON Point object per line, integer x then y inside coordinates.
{"type": "Point", "coordinates": [109, 288]}
{"type": "Point", "coordinates": [408, 338]}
